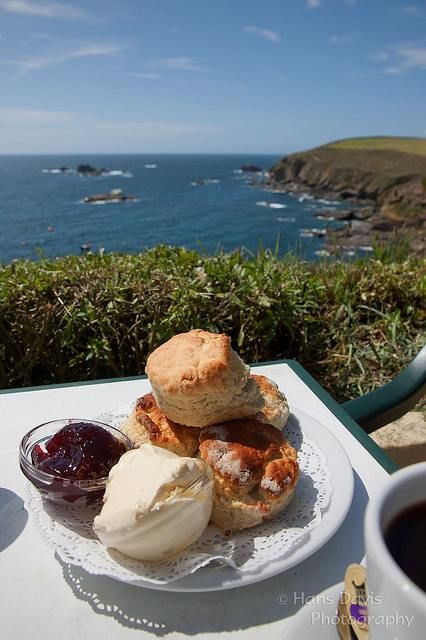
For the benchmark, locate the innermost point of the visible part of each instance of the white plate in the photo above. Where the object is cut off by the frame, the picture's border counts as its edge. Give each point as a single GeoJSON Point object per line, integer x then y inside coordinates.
{"type": "Point", "coordinates": [218, 578]}
{"type": "Point", "coordinates": [317, 618]}
{"type": "Point", "coordinates": [340, 477]}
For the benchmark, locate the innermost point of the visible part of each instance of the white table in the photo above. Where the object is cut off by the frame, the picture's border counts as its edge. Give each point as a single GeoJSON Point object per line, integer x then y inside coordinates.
{"type": "Point", "coordinates": [43, 598]}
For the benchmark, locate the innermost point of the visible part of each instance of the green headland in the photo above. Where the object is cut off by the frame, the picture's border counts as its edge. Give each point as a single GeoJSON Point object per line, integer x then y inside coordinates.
{"type": "Point", "coordinates": [386, 175]}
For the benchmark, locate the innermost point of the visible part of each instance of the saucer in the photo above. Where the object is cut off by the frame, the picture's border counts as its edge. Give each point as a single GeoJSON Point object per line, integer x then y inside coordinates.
{"type": "Point", "coordinates": [317, 619]}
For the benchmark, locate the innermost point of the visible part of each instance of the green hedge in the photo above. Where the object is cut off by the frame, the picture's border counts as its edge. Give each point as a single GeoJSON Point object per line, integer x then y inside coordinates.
{"type": "Point", "coordinates": [352, 325]}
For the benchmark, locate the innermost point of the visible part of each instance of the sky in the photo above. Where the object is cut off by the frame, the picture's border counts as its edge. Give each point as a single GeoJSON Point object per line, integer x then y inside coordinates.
{"type": "Point", "coordinates": [208, 76]}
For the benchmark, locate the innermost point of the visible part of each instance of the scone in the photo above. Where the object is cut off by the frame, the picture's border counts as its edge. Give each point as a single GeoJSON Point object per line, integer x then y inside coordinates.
{"type": "Point", "coordinates": [255, 471]}
{"type": "Point", "coordinates": [197, 379]}
{"type": "Point", "coordinates": [147, 424]}
{"type": "Point", "coordinates": [276, 409]}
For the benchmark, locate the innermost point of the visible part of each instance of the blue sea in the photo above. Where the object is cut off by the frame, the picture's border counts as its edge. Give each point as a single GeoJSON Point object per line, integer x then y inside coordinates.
{"type": "Point", "coordinates": [195, 201]}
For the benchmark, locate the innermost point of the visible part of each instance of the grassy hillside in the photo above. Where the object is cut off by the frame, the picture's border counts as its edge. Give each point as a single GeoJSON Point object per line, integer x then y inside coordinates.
{"type": "Point", "coordinates": [383, 164]}
{"type": "Point", "coordinates": [383, 143]}
{"type": "Point", "coordinates": [389, 172]}
{"type": "Point", "coordinates": [386, 157]}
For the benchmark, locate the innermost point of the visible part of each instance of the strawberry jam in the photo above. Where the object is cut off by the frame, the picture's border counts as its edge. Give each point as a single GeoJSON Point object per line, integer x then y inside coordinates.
{"type": "Point", "coordinates": [79, 451]}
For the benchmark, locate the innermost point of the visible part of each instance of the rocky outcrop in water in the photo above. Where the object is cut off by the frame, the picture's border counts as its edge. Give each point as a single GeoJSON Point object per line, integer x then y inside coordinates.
{"type": "Point", "coordinates": [250, 168]}
{"type": "Point", "coordinates": [116, 195]}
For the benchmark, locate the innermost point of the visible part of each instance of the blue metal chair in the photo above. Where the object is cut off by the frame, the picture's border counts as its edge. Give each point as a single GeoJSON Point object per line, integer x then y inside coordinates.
{"type": "Point", "coordinates": [384, 405]}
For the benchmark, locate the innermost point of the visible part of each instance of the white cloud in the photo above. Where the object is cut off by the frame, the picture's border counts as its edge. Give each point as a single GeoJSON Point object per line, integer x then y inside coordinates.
{"type": "Point", "coordinates": [412, 57]}
{"type": "Point", "coordinates": [30, 117]}
{"type": "Point", "coordinates": [145, 76]}
{"type": "Point", "coordinates": [380, 56]}
{"type": "Point", "coordinates": [412, 8]}
{"type": "Point", "coordinates": [339, 39]}
{"type": "Point", "coordinates": [402, 58]}
{"type": "Point", "coordinates": [266, 34]}
{"type": "Point", "coordinates": [415, 11]}
{"type": "Point", "coordinates": [34, 63]}
{"type": "Point", "coordinates": [42, 9]}
{"type": "Point", "coordinates": [313, 4]}
{"type": "Point", "coordinates": [93, 50]}
{"type": "Point", "coordinates": [183, 63]}
{"type": "Point", "coordinates": [393, 71]}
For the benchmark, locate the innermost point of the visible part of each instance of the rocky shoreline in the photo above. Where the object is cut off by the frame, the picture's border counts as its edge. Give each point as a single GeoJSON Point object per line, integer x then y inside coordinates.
{"type": "Point", "coordinates": [383, 206]}
{"type": "Point", "coordinates": [364, 224]}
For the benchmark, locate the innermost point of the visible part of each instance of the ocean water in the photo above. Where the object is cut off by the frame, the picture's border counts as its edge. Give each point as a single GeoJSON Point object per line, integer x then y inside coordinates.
{"type": "Point", "coordinates": [44, 214]}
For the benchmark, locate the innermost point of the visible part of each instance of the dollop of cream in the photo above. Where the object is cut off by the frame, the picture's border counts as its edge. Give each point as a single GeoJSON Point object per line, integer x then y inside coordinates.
{"type": "Point", "coordinates": [155, 504]}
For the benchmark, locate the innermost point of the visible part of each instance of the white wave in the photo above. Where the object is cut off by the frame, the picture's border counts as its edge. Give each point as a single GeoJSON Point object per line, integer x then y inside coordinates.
{"type": "Point", "coordinates": [57, 171]}
{"type": "Point", "coordinates": [322, 252]}
{"type": "Point", "coordinates": [325, 218]}
{"type": "Point", "coordinates": [313, 232]}
{"type": "Point", "coordinates": [306, 234]}
{"type": "Point", "coordinates": [204, 181]}
{"type": "Point", "coordinates": [330, 202]}
{"type": "Point", "coordinates": [112, 201]}
{"type": "Point", "coordinates": [150, 166]}
{"type": "Point", "coordinates": [286, 219]}
{"type": "Point", "coordinates": [118, 172]}
{"type": "Point", "coordinates": [238, 171]}
{"type": "Point", "coordinates": [271, 205]}
{"type": "Point", "coordinates": [305, 196]}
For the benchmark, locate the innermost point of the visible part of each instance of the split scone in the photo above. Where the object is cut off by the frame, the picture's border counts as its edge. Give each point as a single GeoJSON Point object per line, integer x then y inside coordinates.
{"type": "Point", "coordinates": [276, 410]}
{"type": "Point", "coordinates": [197, 379]}
{"type": "Point", "coordinates": [255, 471]}
{"type": "Point", "coordinates": [147, 424]}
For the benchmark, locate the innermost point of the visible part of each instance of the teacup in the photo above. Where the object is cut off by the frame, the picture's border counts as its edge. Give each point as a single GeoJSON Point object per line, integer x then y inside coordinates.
{"type": "Point", "coordinates": [396, 560]}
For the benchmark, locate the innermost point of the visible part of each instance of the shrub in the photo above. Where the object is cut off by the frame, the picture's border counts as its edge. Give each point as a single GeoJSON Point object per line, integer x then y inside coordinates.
{"type": "Point", "coordinates": [352, 325]}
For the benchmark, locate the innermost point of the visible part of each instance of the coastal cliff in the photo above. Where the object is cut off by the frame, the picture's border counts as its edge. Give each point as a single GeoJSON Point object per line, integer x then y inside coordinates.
{"type": "Point", "coordinates": [387, 175]}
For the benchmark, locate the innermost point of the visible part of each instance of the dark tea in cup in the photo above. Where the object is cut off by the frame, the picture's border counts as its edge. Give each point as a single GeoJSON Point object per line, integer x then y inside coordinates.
{"type": "Point", "coordinates": [405, 537]}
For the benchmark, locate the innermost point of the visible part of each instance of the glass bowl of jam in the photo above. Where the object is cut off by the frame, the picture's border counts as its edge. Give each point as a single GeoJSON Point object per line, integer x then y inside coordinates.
{"type": "Point", "coordinates": [68, 460]}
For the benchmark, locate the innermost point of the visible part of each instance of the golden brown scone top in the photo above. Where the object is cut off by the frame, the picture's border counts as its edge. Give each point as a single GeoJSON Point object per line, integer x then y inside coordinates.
{"type": "Point", "coordinates": [189, 359]}
{"type": "Point", "coordinates": [148, 423]}
{"type": "Point", "coordinates": [198, 379]}
{"type": "Point", "coordinates": [246, 454]}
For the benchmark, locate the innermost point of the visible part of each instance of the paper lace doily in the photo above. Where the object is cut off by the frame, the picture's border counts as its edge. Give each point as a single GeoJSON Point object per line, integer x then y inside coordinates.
{"type": "Point", "coordinates": [246, 551]}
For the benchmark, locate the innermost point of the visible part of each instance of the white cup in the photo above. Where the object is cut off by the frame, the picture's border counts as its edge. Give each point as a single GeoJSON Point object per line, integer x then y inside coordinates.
{"type": "Point", "coordinates": [396, 605]}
